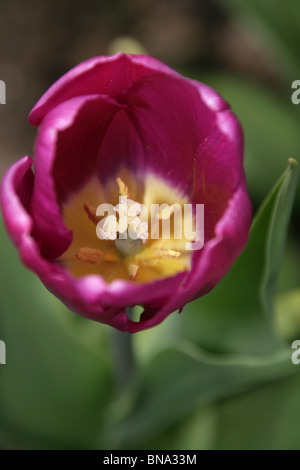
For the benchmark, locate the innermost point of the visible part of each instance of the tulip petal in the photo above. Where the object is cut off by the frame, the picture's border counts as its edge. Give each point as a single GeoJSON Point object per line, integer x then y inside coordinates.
{"type": "Point", "coordinates": [17, 186]}
{"type": "Point", "coordinates": [67, 145]}
{"type": "Point", "coordinates": [121, 148]}
{"type": "Point", "coordinates": [200, 133]}
{"type": "Point", "coordinates": [172, 121]}
{"type": "Point", "coordinates": [99, 75]}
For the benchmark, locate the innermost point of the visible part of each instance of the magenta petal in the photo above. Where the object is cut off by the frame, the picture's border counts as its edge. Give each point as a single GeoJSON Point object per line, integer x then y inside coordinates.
{"type": "Point", "coordinates": [99, 75]}
{"type": "Point", "coordinates": [172, 121]}
{"type": "Point", "coordinates": [219, 169]}
{"type": "Point", "coordinates": [121, 147]}
{"type": "Point", "coordinates": [200, 133]}
{"type": "Point", "coordinates": [210, 97]}
{"type": "Point", "coordinates": [66, 152]}
{"type": "Point", "coordinates": [17, 186]}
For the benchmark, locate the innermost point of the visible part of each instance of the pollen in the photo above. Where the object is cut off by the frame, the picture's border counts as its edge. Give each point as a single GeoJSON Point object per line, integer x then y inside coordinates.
{"type": "Point", "coordinates": [168, 254]}
{"type": "Point", "coordinates": [93, 256]}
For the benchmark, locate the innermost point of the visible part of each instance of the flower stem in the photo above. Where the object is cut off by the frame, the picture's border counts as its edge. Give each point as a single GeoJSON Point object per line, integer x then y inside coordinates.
{"type": "Point", "coordinates": [123, 357]}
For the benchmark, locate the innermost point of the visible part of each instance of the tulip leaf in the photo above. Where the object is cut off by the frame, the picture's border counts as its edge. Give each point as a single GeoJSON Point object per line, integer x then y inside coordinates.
{"type": "Point", "coordinates": [54, 386]}
{"type": "Point", "coordinates": [240, 423]}
{"type": "Point", "coordinates": [277, 235]}
{"type": "Point", "coordinates": [232, 318]}
{"type": "Point", "coordinates": [236, 423]}
{"type": "Point", "coordinates": [197, 431]}
{"type": "Point", "coordinates": [181, 379]}
{"type": "Point", "coordinates": [289, 274]}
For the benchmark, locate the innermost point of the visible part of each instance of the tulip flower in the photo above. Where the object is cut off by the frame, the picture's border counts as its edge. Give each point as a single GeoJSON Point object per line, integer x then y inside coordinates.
{"type": "Point", "coordinates": [128, 131]}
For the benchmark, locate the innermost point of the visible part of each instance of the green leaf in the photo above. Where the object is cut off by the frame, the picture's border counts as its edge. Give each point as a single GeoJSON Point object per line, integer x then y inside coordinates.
{"type": "Point", "coordinates": [266, 418]}
{"type": "Point", "coordinates": [232, 317]}
{"type": "Point", "coordinates": [289, 274]}
{"type": "Point", "coordinates": [181, 379]}
{"type": "Point", "coordinates": [278, 229]}
{"type": "Point", "coordinates": [197, 431]}
{"type": "Point", "coordinates": [55, 387]}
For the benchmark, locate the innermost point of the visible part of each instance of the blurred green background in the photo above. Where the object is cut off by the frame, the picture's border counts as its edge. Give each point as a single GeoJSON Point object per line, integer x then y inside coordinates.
{"type": "Point", "coordinates": [219, 376]}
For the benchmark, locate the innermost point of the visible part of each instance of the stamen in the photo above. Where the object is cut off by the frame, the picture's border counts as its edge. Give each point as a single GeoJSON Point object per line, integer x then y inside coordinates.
{"type": "Point", "coordinates": [133, 271]}
{"type": "Point", "coordinates": [166, 254]}
{"type": "Point", "coordinates": [123, 189]}
{"type": "Point", "coordinates": [91, 213]}
{"type": "Point", "coordinates": [150, 254]}
{"type": "Point", "coordinates": [93, 256]}
{"type": "Point", "coordinates": [128, 231]}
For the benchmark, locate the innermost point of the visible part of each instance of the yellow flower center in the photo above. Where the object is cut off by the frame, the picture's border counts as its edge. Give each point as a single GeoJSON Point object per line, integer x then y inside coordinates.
{"type": "Point", "coordinates": [129, 243]}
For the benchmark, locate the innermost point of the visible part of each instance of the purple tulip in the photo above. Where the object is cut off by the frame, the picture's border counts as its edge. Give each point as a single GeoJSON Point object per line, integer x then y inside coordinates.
{"type": "Point", "coordinates": [127, 126]}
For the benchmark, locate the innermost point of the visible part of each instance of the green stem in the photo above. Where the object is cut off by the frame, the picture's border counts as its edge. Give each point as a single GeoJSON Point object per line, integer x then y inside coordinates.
{"type": "Point", "coordinates": [123, 357]}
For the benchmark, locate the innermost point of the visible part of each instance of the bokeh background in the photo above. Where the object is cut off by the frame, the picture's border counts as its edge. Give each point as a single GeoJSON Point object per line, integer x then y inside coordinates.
{"type": "Point", "coordinates": [212, 378]}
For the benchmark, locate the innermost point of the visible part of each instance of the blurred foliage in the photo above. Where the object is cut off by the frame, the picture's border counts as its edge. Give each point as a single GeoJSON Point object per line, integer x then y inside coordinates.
{"type": "Point", "coordinates": [219, 376]}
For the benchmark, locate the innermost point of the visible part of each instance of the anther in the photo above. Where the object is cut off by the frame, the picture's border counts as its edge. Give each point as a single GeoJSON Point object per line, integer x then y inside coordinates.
{"type": "Point", "coordinates": [93, 256]}
{"type": "Point", "coordinates": [123, 189]}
